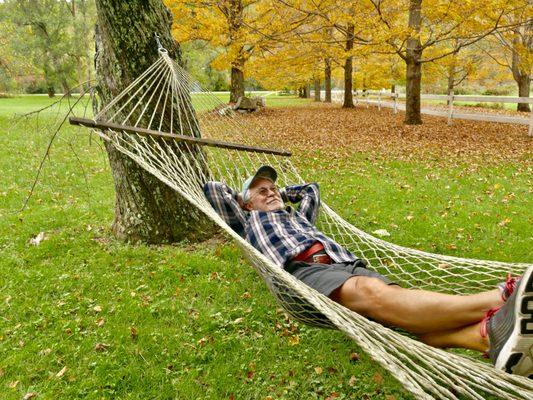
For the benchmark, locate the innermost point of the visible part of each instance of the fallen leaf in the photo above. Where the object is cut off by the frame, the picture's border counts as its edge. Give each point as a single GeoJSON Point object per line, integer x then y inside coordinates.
{"type": "Point", "coordinates": [409, 217]}
{"type": "Point", "coordinates": [294, 340]}
{"type": "Point", "coordinates": [13, 385]}
{"type": "Point", "coordinates": [36, 241]}
{"type": "Point", "coordinates": [381, 232]}
{"type": "Point", "coordinates": [133, 333]}
{"type": "Point", "coordinates": [101, 346]}
{"type": "Point", "coordinates": [504, 222]}
{"type": "Point", "coordinates": [354, 357]}
{"type": "Point", "coordinates": [97, 309]}
{"type": "Point", "coordinates": [29, 395]}
{"type": "Point", "coordinates": [378, 378]}
{"type": "Point", "coordinates": [332, 396]}
{"type": "Point", "coordinates": [62, 372]}
{"type": "Point", "coordinates": [318, 370]}
{"type": "Point", "coordinates": [100, 322]}
{"type": "Point", "coordinates": [352, 381]}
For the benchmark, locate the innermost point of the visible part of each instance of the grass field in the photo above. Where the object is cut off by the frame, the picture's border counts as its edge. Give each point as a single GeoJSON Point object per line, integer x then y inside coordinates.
{"type": "Point", "coordinates": [85, 316]}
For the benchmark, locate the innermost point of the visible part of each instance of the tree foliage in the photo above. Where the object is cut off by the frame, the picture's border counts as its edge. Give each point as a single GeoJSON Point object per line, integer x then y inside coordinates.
{"type": "Point", "coordinates": [49, 39]}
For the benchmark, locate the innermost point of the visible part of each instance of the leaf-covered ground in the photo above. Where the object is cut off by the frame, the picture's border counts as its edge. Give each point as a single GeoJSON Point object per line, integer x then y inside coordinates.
{"type": "Point", "coordinates": [337, 133]}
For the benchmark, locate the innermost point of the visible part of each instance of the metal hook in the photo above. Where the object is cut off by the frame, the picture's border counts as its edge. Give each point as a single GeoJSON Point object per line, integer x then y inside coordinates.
{"type": "Point", "coordinates": [160, 47]}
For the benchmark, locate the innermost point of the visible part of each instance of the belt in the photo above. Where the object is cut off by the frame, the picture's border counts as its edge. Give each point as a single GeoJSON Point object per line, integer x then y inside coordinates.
{"type": "Point", "coordinates": [314, 254]}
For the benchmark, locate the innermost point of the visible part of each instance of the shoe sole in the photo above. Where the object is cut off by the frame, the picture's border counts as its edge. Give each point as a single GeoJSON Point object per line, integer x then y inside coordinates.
{"type": "Point", "coordinates": [516, 356]}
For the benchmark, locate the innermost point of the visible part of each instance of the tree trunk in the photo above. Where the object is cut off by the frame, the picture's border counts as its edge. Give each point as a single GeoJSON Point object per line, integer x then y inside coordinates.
{"type": "Point", "coordinates": [307, 91]}
{"type": "Point", "coordinates": [237, 80]}
{"type": "Point", "coordinates": [327, 81]}
{"type": "Point", "coordinates": [50, 91]}
{"type": "Point", "coordinates": [348, 69]}
{"type": "Point", "coordinates": [65, 86]}
{"type": "Point", "coordinates": [523, 91]}
{"type": "Point", "coordinates": [523, 79]}
{"type": "Point", "coordinates": [145, 209]}
{"type": "Point", "coordinates": [451, 83]}
{"type": "Point", "coordinates": [317, 89]}
{"type": "Point", "coordinates": [414, 67]}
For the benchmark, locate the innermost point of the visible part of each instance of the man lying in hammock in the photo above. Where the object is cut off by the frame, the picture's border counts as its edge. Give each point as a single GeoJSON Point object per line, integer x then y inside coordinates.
{"type": "Point", "coordinates": [490, 321]}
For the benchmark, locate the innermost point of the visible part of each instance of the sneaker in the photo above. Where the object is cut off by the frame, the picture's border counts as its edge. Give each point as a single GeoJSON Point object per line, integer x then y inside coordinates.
{"type": "Point", "coordinates": [510, 330]}
{"type": "Point", "coordinates": [507, 288]}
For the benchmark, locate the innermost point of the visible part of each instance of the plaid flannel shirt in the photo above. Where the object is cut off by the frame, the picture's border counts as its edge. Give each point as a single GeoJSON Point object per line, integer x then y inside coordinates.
{"type": "Point", "coordinates": [282, 234]}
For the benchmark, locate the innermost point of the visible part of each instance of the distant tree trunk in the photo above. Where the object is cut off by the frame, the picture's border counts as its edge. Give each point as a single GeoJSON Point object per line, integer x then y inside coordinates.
{"type": "Point", "coordinates": [523, 79]}
{"type": "Point", "coordinates": [65, 86]}
{"type": "Point", "coordinates": [317, 89]}
{"type": "Point", "coordinates": [524, 85]}
{"type": "Point", "coordinates": [348, 69]}
{"type": "Point", "coordinates": [327, 81]}
{"type": "Point", "coordinates": [414, 67]}
{"type": "Point", "coordinates": [307, 91]}
{"type": "Point", "coordinates": [233, 11]}
{"type": "Point", "coordinates": [393, 88]}
{"type": "Point", "coordinates": [451, 82]}
{"type": "Point", "coordinates": [145, 209]}
{"type": "Point", "coordinates": [237, 82]}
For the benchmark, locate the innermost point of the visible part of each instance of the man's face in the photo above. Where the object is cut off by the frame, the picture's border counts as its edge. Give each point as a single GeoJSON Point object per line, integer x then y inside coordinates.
{"type": "Point", "coordinates": [264, 196]}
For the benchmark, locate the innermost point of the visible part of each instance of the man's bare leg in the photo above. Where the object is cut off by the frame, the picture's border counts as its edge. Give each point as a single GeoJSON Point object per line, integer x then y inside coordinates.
{"type": "Point", "coordinates": [468, 337]}
{"type": "Point", "coordinates": [417, 311]}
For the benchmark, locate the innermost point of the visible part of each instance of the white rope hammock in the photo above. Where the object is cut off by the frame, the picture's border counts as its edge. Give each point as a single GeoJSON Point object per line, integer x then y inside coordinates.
{"type": "Point", "coordinates": [165, 99]}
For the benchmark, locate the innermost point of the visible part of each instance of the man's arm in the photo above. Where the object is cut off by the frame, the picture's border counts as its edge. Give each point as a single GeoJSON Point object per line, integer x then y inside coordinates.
{"type": "Point", "coordinates": [227, 204]}
{"type": "Point", "coordinates": [307, 195]}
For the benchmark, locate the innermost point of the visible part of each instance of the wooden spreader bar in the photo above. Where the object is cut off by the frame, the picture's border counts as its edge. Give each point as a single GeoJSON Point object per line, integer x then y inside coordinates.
{"type": "Point", "coordinates": [90, 123]}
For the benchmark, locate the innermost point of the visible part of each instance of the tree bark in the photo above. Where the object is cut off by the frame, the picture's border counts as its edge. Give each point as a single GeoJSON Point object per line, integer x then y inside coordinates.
{"type": "Point", "coordinates": [523, 79]}
{"type": "Point", "coordinates": [317, 89]}
{"type": "Point", "coordinates": [237, 80]}
{"type": "Point", "coordinates": [146, 209]}
{"type": "Point", "coordinates": [327, 80]}
{"type": "Point", "coordinates": [307, 91]}
{"type": "Point", "coordinates": [451, 82]}
{"type": "Point", "coordinates": [348, 69]}
{"type": "Point", "coordinates": [413, 66]}
{"type": "Point", "coordinates": [524, 85]}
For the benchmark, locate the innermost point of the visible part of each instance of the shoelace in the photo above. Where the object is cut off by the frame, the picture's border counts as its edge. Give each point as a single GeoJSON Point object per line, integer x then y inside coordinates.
{"type": "Point", "coordinates": [483, 330]}
{"type": "Point", "coordinates": [508, 287]}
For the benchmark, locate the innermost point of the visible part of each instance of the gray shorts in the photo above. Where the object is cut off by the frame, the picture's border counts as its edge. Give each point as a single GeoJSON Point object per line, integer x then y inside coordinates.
{"type": "Point", "coordinates": [325, 278]}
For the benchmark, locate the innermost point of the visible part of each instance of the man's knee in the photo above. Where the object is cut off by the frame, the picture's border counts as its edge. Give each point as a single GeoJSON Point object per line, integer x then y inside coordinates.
{"type": "Point", "coordinates": [362, 294]}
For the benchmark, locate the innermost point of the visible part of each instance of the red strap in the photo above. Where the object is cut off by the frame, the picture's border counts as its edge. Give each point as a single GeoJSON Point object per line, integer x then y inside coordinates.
{"type": "Point", "coordinates": [304, 255]}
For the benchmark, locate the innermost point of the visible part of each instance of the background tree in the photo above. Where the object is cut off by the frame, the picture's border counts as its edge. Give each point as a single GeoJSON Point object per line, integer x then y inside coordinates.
{"type": "Point", "coordinates": [411, 30]}
{"type": "Point", "coordinates": [241, 28]}
{"type": "Point", "coordinates": [146, 209]}
{"type": "Point", "coordinates": [513, 49]}
{"type": "Point", "coordinates": [52, 37]}
{"type": "Point", "coordinates": [454, 69]}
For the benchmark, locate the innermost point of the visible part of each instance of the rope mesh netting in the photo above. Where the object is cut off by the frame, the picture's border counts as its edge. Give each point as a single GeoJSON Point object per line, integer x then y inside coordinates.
{"type": "Point", "coordinates": [165, 98]}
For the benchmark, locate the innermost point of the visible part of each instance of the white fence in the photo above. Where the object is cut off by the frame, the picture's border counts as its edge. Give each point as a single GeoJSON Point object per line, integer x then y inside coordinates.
{"type": "Point", "coordinates": [390, 100]}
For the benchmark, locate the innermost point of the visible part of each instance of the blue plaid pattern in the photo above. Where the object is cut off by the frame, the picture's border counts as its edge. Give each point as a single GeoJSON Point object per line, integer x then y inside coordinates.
{"type": "Point", "coordinates": [280, 235]}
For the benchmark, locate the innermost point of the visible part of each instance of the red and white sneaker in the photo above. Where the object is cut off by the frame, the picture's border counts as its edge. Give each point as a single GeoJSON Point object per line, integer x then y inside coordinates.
{"type": "Point", "coordinates": [509, 330]}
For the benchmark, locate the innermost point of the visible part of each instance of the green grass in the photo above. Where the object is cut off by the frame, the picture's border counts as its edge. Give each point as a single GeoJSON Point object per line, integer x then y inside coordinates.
{"type": "Point", "coordinates": [187, 321]}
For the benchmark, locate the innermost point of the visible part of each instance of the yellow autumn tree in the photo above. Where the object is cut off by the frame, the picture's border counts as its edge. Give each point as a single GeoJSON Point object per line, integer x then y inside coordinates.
{"type": "Point", "coordinates": [512, 48]}
{"type": "Point", "coordinates": [241, 28]}
{"type": "Point", "coordinates": [412, 27]}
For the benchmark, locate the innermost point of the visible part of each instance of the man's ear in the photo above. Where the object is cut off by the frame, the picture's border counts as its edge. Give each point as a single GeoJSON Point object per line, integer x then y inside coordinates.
{"type": "Point", "coordinates": [247, 206]}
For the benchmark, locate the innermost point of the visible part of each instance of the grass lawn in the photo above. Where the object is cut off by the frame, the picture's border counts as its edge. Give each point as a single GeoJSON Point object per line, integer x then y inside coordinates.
{"type": "Point", "coordinates": [85, 316]}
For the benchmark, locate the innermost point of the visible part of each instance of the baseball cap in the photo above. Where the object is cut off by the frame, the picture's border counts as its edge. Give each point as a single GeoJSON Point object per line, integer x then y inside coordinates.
{"type": "Point", "coordinates": [266, 172]}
